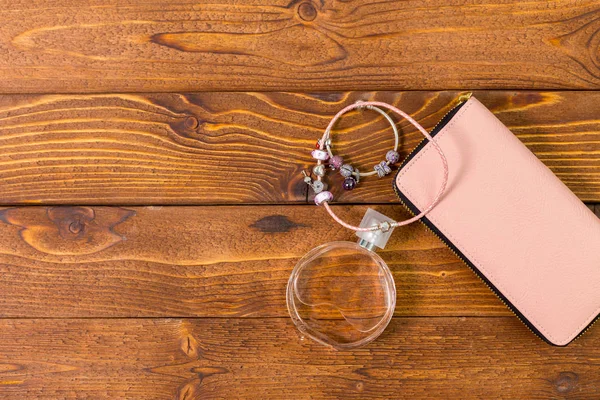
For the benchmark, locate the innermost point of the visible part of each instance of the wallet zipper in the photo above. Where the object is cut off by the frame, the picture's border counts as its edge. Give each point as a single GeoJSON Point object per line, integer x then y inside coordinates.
{"type": "Point", "coordinates": [413, 210]}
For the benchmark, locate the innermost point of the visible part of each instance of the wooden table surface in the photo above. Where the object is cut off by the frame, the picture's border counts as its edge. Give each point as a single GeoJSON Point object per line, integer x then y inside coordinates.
{"type": "Point", "coordinates": [152, 206]}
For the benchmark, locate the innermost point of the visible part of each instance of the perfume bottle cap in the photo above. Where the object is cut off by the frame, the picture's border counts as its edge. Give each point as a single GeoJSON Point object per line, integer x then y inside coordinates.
{"type": "Point", "coordinates": [378, 238]}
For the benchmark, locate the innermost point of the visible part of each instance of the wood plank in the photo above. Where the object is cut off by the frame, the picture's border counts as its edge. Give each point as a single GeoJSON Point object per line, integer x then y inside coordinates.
{"type": "Point", "coordinates": [595, 208]}
{"type": "Point", "coordinates": [134, 46]}
{"type": "Point", "coordinates": [204, 261]}
{"type": "Point", "coordinates": [250, 147]}
{"type": "Point", "coordinates": [453, 358]}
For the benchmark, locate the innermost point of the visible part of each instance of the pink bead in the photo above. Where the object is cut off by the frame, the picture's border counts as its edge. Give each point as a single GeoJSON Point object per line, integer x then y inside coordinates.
{"type": "Point", "coordinates": [320, 155]}
{"type": "Point", "coordinates": [324, 196]}
{"type": "Point", "coordinates": [336, 162]}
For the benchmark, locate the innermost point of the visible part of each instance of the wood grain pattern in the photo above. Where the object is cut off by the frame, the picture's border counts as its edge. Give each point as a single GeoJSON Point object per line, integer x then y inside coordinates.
{"type": "Point", "coordinates": [204, 262]}
{"type": "Point", "coordinates": [250, 147]}
{"type": "Point", "coordinates": [149, 135]}
{"type": "Point", "coordinates": [134, 45]}
{"type": "Point", "coordinates": [191, 359]}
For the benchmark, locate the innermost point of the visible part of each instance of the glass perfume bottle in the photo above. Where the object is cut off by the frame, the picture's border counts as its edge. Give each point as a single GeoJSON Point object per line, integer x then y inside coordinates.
{"type": "Point", "coordinates": [342, 294]}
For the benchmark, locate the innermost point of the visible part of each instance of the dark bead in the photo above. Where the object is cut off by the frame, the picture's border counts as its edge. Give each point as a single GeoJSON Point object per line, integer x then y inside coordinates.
{"type": "Point", "coordinates": [349, 184]}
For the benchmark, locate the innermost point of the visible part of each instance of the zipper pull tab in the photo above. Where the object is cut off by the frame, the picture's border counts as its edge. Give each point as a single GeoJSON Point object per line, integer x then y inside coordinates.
{"type": "Point", "coordinates": [464, 97]}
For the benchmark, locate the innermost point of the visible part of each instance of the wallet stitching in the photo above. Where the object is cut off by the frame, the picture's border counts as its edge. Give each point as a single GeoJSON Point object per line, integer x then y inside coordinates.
{"type": "Point", "coordinates": [412, 163]}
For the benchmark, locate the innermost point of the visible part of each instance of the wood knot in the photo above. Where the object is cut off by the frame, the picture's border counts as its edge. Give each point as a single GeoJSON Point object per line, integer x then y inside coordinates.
{"type": "Point", "coordinates": [186, 126]}
{"type": "Point", "coordinates": [67, 230]}
{"type": "Point", "coordinates": [205, 372]}
{"type": "Point", "coordinates": [192, 388]}
{"type": "Point", "coordinates": [526, 98]}
{"type": "Point", "coordinates": [190, 123]}
{"type": "Point", "coordinates": [275, 224]}
{"type": "Point", "coordinates": [76, 227]}
{"type": "Point", "coordinates": [566, 382]}
{"type": "Point", "coordinates": [298, 45]}
{"type": "Point", "coordinates": [71, 222]}
{"type": "Point", "coordinates": [189, 345]}
{"type": "Point", "coordinates": [307, 12]}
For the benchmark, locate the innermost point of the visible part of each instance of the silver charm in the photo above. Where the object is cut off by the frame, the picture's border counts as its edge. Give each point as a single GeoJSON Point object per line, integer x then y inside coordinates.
{"type": "Point", "coordinates": [319, 170]}
{"type": "Point", "coordinates": [307, 179]}
{"type": "Point", "coordinates": [346, 170]}
{"type": "Point", "coordinates": [382, 169]}
{"type": "Point", "coordinates": [316, 185]}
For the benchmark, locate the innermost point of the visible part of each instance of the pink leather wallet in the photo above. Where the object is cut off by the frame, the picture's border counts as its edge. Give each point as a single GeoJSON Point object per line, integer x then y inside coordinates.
{"type": "Point", "coordinates": [510, 219]}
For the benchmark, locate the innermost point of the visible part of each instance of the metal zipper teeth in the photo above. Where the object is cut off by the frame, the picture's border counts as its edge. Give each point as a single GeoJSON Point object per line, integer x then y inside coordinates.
{"type": "Point", "coordinates": [585, 330]}
{"type": "Point", "coordinates": [462, 99]}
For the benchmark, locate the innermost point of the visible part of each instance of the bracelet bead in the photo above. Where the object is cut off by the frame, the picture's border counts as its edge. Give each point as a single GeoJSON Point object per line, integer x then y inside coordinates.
{"type": "Point", "coordinates": [382, 169]}
{"type": "Point", "coordinates": [349, 183]}
{"type": "Point", "coordinates": [319, 170]}
{"type": "Point", "coordinates": [346, 170]}
{"type": "Point", "coordinates": [318, 186]}
{"type": "Point", "coordinates": [320, 154]}
{"type": "Point", "coordinates": [323, 197]}
{"type": "Point", "coordinates": [336, 162]}
{"type": "Point", "coordinates": [392, 156]}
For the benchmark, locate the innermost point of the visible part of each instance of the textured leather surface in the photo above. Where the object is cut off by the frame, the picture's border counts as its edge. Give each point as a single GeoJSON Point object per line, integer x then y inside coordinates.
{"type": "Point", "coordinates": [521, 227]}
